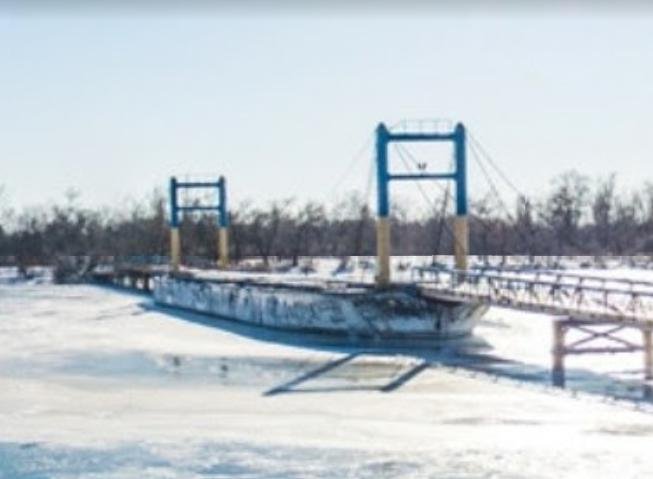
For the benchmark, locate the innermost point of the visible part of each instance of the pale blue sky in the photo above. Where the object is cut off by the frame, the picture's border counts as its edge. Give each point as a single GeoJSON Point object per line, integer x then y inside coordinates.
{"type": "Point", "coordinates": [280, 103]}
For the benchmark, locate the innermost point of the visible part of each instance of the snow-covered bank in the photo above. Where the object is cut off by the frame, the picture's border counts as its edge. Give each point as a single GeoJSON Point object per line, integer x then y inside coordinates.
{"type": "Point", "coordinates": [34, 275]}
{"type": "Point", "coordinates": [98, 383]}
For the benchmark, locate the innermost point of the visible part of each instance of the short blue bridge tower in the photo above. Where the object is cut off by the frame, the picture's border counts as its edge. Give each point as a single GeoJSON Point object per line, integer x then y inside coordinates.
{"type": "Point", "coordinates": [176, 210]}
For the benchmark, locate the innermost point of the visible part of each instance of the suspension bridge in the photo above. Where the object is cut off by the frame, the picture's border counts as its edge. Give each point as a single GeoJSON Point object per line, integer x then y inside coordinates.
{"type": "Point", "coordinates": [597, 308]}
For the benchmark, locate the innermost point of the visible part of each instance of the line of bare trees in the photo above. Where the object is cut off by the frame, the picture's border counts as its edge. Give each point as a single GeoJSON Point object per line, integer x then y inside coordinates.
{"type": "Point", "coordinates": [577, 216]}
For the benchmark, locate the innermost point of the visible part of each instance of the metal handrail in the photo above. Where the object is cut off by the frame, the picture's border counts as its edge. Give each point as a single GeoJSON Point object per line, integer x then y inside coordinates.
{"type": "Point", "coordinates": [552, 296]}
{"type": "Point", "coordinates": [574, 279]}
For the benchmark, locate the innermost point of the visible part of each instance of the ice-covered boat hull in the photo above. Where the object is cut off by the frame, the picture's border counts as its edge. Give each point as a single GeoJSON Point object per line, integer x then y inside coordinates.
{"type": "Point", "coordinates": [354, 312]}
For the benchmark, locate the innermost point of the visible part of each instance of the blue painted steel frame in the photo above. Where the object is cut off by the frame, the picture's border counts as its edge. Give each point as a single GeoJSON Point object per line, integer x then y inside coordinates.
{"type": "Point", "coordinates": [459, 176]}
{"type": "Point", "coordinates": [221, 207]}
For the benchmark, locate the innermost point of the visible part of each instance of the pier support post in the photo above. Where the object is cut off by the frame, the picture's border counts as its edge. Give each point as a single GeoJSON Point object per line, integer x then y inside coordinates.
{"type": "Point", "coordinates": [558, 372]}
{"type": "Point", "coordinates": [383, 251]}
{"type": "Point", "coordinates": [175, 249]}
{"type": "Point", "coordinates": [461, 241]}
{"type": "Point", "coordinates": [223, 224]}
{"type": "Point", "coordinates": [175, 242]}
{"type": "Point", "coordinates": [648, 353]}
{"type": "Point", "coordinates": [223, 247]}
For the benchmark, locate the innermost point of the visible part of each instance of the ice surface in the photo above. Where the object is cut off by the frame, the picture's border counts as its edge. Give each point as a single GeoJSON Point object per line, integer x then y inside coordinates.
{"type": "Point", "coordinates": [101, 383]}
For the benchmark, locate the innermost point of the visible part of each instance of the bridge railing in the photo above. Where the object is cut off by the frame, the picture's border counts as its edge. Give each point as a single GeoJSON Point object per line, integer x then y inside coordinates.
{"type": "Point", "coordinates": [591, 297]}
{"type": "Point", "coordinates": [564, 276]}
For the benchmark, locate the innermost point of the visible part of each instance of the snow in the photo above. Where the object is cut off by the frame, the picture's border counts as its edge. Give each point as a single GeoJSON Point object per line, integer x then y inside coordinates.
{"type": "Point", "coordinates": [101, 383]}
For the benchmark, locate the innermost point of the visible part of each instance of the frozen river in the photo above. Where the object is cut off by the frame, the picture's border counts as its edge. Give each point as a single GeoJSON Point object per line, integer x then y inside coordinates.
{"type": "Point", "coordinates": [98, 383]}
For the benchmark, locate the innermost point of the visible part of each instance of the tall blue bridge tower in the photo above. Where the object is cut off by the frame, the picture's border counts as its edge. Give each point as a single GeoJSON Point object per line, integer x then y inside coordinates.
{"type": "Point", "coordinates": [384, 176]}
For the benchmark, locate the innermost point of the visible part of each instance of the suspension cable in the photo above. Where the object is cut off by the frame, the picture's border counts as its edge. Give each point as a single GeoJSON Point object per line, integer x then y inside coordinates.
{"type": "Point", "coordinates": [401, 151]}
{"type": "Point", "coordinates": [481, 149]}
{"type": "Point", "coordinates": [398, 148]}
{"type": "Point", "coordinates": [442, 226]}
{"type": "Point", "coordinates": [494, 190]}
{"type": "Point", "coordinates": [490, 182]}
{"type": "Point", "coordinates": [352, 164]}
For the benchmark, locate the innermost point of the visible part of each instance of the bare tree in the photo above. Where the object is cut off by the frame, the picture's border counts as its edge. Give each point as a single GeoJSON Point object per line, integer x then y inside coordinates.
{"type": "Point", "coordinates": [310, 219]}
{"type": "Point", "coordinates": [571, 218]}
{"type": "Point", "coordinates": [265, 227]}
{"type": "Point", "coordinates": [603, 210]}
{"type": "Point", "coordinates": [565, 208]}
{"type": "Point", "coordinates": [526, 230]}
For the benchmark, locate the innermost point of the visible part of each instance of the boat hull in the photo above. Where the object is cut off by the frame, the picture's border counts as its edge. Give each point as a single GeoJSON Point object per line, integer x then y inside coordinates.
{"type": "Point", "coordinates": [355, 312]}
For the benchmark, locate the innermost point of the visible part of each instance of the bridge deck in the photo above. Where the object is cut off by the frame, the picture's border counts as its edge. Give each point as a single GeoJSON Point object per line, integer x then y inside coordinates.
{"type": "Point", "coordinates": [593, 298]}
